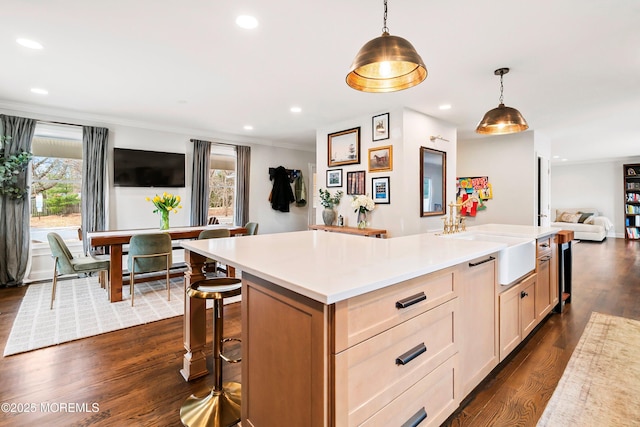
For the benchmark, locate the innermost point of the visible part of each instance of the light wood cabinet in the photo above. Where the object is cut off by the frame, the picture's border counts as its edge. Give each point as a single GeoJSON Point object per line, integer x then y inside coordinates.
{"type": "Point", "coordinates": [479, 351]}
{"type": "Point", "coordinates": [383, 355]}
{"type": "Point", "coordinates": [285, 371]}
{"type": "Point", "coordinates": [517, 314]}
{"type": "Point", "coordinates": [547, 281]}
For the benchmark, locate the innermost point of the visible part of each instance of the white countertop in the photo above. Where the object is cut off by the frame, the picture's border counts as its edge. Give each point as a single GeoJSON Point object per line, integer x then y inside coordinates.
{"type": "Point", "coordinates": [330, 267]}
{"type": "Point", "coordinates": [527, 231]}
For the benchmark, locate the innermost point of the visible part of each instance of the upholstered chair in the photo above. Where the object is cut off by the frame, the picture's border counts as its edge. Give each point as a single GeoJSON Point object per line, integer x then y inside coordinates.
{"type": "Point", "coordinates": [210, 264]}
{"type": "Point", "coordinates": [149, 253]}
{"type": "Point", "coordinates": [66, 263]}
{"type": "Point", "coordinates": [252, 228]}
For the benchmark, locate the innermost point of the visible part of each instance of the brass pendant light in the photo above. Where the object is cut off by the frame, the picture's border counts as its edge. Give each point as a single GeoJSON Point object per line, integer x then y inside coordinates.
{"type": "Point", "coordinates": [502, 120]}
{"type": "Point", "coordinates": [386, 64]}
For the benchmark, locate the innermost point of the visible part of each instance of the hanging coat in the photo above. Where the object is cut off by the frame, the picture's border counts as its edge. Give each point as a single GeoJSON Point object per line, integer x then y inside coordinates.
{"type": "Point", "coordinates": [301, 191]}
{"type": "Point", "coordinates": [281, 194]}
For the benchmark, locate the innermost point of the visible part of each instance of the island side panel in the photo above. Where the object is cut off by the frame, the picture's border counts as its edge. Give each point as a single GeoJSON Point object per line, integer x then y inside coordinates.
{"type": "Point", "coordinates": [285, 357]}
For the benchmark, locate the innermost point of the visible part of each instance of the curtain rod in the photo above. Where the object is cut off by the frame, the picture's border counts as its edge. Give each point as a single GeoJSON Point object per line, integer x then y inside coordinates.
{"type": "Point", "coordinates": [59, 123]}
{"type": "Point", "coordinates": [215, 142]}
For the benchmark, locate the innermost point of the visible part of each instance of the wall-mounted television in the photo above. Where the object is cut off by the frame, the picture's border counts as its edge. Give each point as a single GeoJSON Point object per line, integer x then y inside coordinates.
{"type": "Point", "coordinates": [140, 168]}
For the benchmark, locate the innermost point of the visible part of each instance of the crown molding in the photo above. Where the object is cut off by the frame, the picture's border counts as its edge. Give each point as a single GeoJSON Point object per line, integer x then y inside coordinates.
{"type": "Point", "coordinates": [89, 119]}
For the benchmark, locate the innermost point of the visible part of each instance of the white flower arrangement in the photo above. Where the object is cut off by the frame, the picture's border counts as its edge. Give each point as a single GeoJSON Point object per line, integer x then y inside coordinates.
{"type": "Point", "coordinates": [362, 203]}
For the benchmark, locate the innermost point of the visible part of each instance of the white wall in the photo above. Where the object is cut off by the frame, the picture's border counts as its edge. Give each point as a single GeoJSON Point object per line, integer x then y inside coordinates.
{"type": "Point", "coordinates": [123, 201]}
{"type": "Point", "coordinates": [408, 131]}
{"type": "Point", "coordinates": [127, 207]}
{"type": "Point", "coordinates": [260, 211]}
{"type": "Point", "coordinates": [592, 185]}
{"type": "Point", "coordinates": [510, 162]}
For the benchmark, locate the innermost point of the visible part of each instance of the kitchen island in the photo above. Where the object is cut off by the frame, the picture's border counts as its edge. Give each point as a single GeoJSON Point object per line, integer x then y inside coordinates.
{"type": "Point", "coordinates": [342, 330]}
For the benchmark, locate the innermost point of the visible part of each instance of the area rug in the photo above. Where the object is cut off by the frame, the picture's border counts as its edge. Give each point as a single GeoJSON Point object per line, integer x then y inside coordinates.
{"type": "Point", "coordinates": [601, 384]}
{"type": "Point", "coordinates": [82, 309]}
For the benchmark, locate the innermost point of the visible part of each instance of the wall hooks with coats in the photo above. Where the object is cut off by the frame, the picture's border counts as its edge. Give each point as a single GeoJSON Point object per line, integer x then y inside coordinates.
{"type": "Point", "coordinates": [292, 174]}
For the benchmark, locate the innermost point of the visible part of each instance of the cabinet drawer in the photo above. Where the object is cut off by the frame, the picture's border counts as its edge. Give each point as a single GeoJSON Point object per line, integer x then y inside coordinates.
{"type": "Point", "coordinates": [544, 246]}
{"type": "Point", "coordinates": [433, 398]}
{"type": "Point", "coordinates": [371, 374]}
{"type": "Point", "coordinates": [359, 318]}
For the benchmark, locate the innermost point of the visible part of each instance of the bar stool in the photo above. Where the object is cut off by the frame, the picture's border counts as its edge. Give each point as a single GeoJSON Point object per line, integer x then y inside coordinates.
{"type": "Point", "coordinates": [221, 407]}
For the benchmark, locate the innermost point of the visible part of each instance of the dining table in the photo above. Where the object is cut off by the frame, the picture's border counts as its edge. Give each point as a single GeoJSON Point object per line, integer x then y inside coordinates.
{"type": "Point", "coordinates": [114, 240]}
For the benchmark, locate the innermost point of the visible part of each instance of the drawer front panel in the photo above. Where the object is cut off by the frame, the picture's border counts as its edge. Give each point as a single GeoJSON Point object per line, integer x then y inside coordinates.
{"type": "Point", "coordinates": [362, 317]}
{"type": "Point", "coordinates": [371, 374]}
{"type": "Point", "coordinates": [544, 247]}
{"type": "Point", "coordinates": [431, 399]}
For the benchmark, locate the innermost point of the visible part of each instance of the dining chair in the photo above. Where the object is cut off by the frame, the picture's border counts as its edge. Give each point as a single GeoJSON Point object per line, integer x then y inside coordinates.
{"type": "Point", "coordinates": [149, 253]}
{"type": "Point", "coordinates": [66, 263]}
{"type": "Point", "coordinates": [211, 264]}
{"type": "Point", "coordinates": [252, 228]}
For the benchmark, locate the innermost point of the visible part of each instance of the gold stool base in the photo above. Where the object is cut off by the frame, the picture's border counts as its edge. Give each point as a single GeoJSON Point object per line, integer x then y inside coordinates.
{"type": "Point", "coordinates": [216, 409]}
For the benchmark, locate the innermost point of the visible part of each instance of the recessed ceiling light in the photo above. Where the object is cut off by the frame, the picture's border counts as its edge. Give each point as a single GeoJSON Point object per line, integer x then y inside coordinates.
{"type": "Point", "coordinates": [296, 109]}
{"type": "Point", "coordinates": [247, 22]}
{"type": "Point", "coordinates": [248, 127]}
{"type": "Point", "coordinates": [39, 91]}
{"type": "Point", "coordinates": [556, 157]}
{"type": "Point", "coordinates": [564, 160]}
{"type": "Point", "coordinates": [31, 44]}
{"type": "Point", "coordinates": [445, 107]}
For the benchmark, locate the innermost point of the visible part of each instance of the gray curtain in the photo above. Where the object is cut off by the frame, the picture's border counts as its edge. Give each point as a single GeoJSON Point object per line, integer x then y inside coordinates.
{"type": "Point", "coordinates": [94, 174]}
{"type": "Point", "coordinates": [243, 155]}
{"type": "Point", "coordinates": [14, 214]}
{"type": "Point", "coordinates": [200, 182]}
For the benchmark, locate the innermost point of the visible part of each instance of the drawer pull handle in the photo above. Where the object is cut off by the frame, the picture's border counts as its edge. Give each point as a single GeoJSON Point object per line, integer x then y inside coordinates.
{"type": "Point", "coordinates": [473, 264]}
{"type": "Point", "coordinates": [416, 419]}
{"type": "Point", "coordinates": [413, 299]}
{"type": "Point", "coordinates": [545, 259]}
{"type": "Point", "coordinates": [411, 354]}
{"type": "Point", "coordinates": [544, 245]}
{"type": "Point", "coordinates": [523, 294]}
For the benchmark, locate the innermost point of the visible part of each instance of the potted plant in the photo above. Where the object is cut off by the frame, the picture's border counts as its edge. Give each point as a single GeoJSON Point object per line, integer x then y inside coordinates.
{"type": "Point", "coordinates": [12, 168]}
{"type": "Point", "coordinates": [329, 202]}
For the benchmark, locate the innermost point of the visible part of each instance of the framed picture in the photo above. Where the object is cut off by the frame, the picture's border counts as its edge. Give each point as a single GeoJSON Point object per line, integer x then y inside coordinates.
{"type": "Point", "coordinates": [381, 159]}
{"type": "Point", "coordinates": [334, 178]}
{"type": "Point", "coordinates": [380, 190]}
{"type": "Point", "coordinates": [355, 183]}
{"type": "Point", "coordinates": [380, 127]}
{"type": "Point", "coordinates": [344, 147]}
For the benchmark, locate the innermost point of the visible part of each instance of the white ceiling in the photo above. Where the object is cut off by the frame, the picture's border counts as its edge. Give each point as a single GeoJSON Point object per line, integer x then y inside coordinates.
{"type": "Point", "coordinates": [575, 65]}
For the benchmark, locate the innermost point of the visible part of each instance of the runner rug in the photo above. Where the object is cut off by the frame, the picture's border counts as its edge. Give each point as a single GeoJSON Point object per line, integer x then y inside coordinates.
{"type": "Point", "coordinates": [601, 384]}
{"type": "Point", "coordinates": [81, 309]}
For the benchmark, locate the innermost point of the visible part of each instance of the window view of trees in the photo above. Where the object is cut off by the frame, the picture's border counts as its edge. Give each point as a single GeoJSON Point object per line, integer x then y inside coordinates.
{"type": "Point", "coordinates": [55, 196]}
{"type": "Point", "coordinates": [222, 184]}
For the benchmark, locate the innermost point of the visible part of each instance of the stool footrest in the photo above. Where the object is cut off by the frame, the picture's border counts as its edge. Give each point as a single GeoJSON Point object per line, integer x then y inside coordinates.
{"type": "Point", "coordinates": [226, 358]}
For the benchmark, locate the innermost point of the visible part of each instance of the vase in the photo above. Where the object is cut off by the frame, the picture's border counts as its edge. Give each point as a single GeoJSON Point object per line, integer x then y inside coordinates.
{"type": "Point", "coordinates": [362, 219]}
{"type": "Point", "coordinates": [164, 220]}
{"type": "Point", "coordinates": [328, 216]}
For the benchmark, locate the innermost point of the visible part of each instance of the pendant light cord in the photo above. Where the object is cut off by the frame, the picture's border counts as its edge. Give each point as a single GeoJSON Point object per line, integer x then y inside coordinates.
{"type": "Point", "coordinates": [384, 23]}
{"type": "Point", "coordinates": [501, 89]}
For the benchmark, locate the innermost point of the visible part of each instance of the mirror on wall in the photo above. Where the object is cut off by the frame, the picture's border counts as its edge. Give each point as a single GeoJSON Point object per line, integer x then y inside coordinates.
{"type": "Point", "coordinates": [433, 171]}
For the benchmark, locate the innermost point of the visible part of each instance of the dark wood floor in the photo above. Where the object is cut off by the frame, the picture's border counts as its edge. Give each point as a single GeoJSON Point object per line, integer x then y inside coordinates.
{"type": "Point", "coordinates": [133, 374]}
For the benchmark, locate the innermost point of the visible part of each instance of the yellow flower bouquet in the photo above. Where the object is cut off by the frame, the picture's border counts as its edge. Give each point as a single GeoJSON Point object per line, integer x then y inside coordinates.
{"type": "Point", "coordinates": [165, 204]}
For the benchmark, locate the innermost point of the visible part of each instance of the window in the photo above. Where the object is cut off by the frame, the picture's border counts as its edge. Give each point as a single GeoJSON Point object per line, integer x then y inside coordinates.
{"type": "Point", "coordinates": [56, 177]}
{"type": "Point", "coordinates": [222, 185]}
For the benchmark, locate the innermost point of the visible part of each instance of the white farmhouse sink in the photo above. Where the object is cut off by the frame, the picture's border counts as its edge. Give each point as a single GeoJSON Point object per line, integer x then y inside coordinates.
{"type": "Point", "coordinates": [514, 261]}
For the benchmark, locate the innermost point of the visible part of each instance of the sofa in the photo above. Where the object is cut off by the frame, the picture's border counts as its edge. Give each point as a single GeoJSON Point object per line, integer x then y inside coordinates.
{"type": "Point", "coordinates": [586, 223]}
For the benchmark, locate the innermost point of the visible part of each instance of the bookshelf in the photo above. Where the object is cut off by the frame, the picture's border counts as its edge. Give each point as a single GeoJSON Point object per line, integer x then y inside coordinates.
{"type": "Point", "coordinates": [632, 201]}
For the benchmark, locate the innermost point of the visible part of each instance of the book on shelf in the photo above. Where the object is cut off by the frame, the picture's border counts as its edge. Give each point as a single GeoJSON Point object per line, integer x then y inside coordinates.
{"type": "Point", "coordinates": [633, 197]}
{"type": "Point", "coordinates": [633, 233]}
